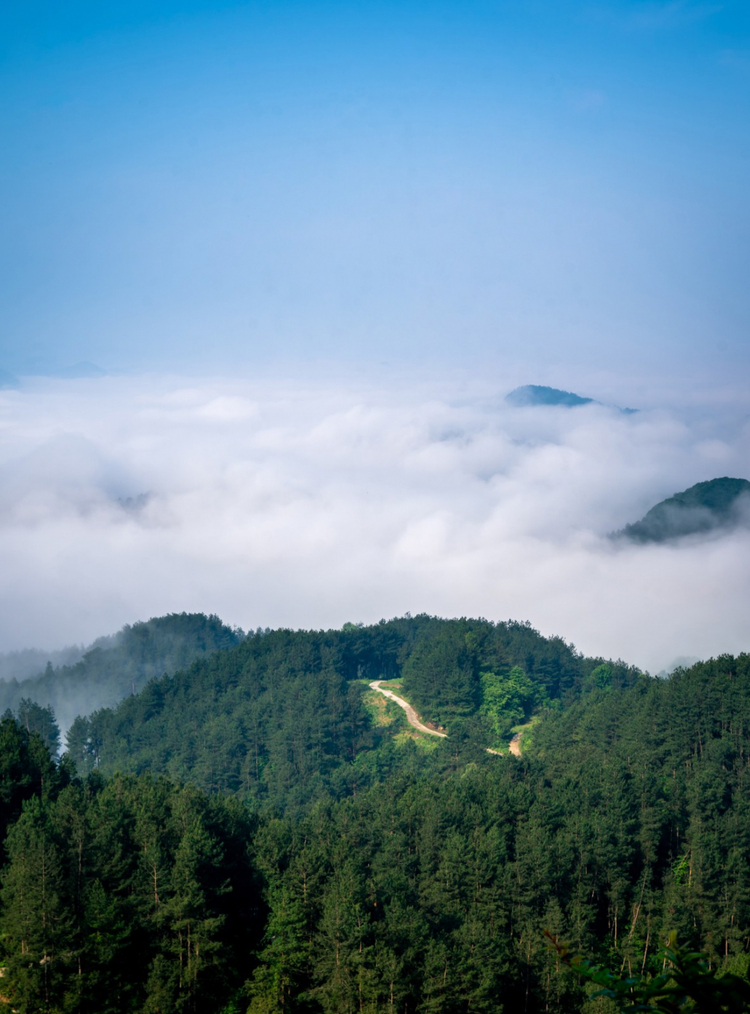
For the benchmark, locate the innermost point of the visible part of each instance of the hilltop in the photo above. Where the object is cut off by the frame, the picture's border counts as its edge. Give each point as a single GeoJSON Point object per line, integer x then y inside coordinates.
{"type": "Point", "coordinates": [719, 504]}
{"type": "Point", "coordinates": [341, 862]}
{"type": "Point", "coordinates": [286, 718]}
{"type": "Point", "coordinates": [536, 395]}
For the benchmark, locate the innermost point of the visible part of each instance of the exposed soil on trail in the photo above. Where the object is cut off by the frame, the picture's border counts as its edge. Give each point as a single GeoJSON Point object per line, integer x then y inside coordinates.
{"type": "Point", "coordinates": [411, 716]}
{"type": "Point", "coordinates": [414, 720]}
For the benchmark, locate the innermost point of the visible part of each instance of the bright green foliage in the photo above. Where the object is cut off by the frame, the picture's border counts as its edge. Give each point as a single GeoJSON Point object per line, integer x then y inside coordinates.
{"type": "Point", "coordinates": [507, 700]}
{"type": "Point", "coordinates": [599, 678]}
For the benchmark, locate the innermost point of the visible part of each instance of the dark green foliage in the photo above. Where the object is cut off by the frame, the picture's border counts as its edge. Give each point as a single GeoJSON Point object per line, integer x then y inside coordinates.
{"type": "Point", "coordinates": [682, 981]}
{"type": "Point", "coordinates": [34, 718]}
{"type": "Point", "coordinates": [280, 719]}
{"type": "Point", "coordinates": [705, 507]}
{"type": "Point", "coordinates": [628, 821]}
{"type": "Point", "coordinates": [400, 898]}
{"type": "Point", "coordinates": [502, 671]}
{"type": "Point", "coordinates": [440, 674]}
{"type": "Point", "coordinates": [376, 875]}
{"type": "Point", "coordinates": [272, 719]}
{"type": "Point", "coordinates": [26, 770]}
{"type": "Point", "coordinates": [131, 896]}
{"type": "Point", "coordinates": [117, 666]}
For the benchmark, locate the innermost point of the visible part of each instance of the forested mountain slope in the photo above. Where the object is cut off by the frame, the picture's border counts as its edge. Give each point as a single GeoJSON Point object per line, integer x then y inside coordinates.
{"type": "Point", "coordinates": [280, 718]}
{"type": "Point", "coordinates": [630, 819]}
{"type": "Point", "coordinates": [135, 895]}
{"type": "Point", "coordinates": [122, 664]}
{"type": "Point", "coordinates": [425, 893]}
{"type": "Point", "coordinates": [716, 505]}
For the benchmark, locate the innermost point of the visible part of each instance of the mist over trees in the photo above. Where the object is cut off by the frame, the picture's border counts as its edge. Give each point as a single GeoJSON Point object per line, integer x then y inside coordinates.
{"type": "Point", "coordinates": [716, 505]}
{"type": "Point", "coordinates": [121, 664]}
{"type": "Point", "coordinates": [30, 662]}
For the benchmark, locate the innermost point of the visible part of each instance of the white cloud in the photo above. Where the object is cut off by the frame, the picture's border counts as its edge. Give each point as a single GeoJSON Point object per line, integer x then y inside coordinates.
{"type": "Point", "coordinates": [307, 504]}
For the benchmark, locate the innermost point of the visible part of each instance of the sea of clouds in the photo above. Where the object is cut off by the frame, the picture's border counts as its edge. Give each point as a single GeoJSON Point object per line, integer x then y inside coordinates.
{"type": "Point", "coordinates": [308, 503]}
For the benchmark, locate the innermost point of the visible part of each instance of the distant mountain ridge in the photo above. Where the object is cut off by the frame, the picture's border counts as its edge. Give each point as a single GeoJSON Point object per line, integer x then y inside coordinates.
{"type": "Point", "coordinates": [705, 507]}
{"type": "Point", "coordinates": [114, 667]}
{"type": "Point", "coordinates": [536, 394]}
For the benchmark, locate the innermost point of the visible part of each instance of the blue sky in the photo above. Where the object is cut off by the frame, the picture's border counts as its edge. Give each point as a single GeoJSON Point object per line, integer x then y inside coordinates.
{"type": "Point", "coordinates": [354, 226]}
{"type": "Point", "coordinates": [556, 182]}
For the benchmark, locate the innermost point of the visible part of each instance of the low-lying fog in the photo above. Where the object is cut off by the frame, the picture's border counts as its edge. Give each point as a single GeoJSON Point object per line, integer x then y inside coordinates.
{"type": "Point", "coordinates": [308, 504]}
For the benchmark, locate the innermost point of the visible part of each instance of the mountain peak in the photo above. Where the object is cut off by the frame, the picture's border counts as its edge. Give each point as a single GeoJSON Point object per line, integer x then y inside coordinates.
{"type": "Point", "coordinates": [704, 507]}
{"type": "Point", "coordinates": [535, 394]}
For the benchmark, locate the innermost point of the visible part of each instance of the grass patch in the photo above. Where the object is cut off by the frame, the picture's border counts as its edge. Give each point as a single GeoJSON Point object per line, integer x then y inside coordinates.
{"type": "Point", "coordinates": [386, 714]}
{"type": "Point", "coordinates": [526, 732]}
{"type": "Point", "coordinates": [382, 712]}
{"type": "Point", "coordinates": [410, 735]}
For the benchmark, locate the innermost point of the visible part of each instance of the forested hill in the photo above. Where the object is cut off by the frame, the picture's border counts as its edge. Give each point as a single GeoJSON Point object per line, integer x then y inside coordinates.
{"type": "Point", "coordinates": [713, 506]}
{"type": "Point", "coordinates": [630, 818]}
{"type": "Point", "coordinates": [283, 717]}
{"type": "Point", "coordinates": [427, 893]}
{"type": "Point", "coordinates": [121, 664]}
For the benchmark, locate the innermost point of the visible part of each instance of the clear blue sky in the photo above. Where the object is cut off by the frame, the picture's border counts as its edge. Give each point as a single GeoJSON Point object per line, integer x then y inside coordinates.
{"type": "Point", "coordinates": [191, 182]}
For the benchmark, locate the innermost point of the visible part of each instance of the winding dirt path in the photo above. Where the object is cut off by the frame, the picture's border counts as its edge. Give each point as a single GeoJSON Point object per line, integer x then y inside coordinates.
{"type": "Point", "coordinates": [413, 719]}
{"type": "Point", "coordinates": [411, 716]}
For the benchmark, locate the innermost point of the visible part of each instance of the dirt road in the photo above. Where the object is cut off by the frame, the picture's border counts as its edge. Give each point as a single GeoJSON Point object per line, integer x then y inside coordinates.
{"type": "Point", "coordinates": [413, 719]}
{"type": "Point", "coordinates": [411, 716]}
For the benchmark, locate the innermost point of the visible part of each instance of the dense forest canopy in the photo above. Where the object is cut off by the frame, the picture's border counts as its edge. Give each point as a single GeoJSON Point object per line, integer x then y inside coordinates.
{"type": "Point", "coordinates": [263, 832]}
{"type": "Point", "coordinates": [282, 718]}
